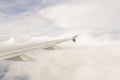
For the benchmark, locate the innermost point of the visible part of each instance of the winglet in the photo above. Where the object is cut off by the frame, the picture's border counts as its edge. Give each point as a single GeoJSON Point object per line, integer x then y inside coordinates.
{"type": "Point", "coordinates": [74, 38]}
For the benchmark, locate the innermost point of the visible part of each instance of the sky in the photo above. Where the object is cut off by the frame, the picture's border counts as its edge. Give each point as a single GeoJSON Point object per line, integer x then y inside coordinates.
{"type": "Point", "coordinates": [95, 21]}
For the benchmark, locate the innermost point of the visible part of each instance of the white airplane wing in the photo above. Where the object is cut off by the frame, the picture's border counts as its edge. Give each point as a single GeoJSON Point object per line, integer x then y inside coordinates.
{"type": "Point", "coordinates": [18, 54]}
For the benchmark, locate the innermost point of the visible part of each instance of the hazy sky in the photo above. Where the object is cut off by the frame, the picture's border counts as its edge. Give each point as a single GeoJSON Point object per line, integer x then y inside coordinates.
{"type": "Point", "coordinates": [93, 19]}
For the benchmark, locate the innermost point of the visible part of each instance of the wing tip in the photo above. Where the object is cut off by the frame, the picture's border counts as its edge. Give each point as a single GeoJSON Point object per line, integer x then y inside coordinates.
{"type": "Point", "coordinates": [74, 38]}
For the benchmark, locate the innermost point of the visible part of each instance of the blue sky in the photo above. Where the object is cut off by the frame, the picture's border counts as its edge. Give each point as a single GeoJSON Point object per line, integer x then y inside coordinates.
{"type": "Point", "coordinates": [16, 7]}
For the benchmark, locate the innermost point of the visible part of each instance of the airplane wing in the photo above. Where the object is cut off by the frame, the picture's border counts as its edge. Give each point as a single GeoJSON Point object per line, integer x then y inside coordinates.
{"type": "Point", "coordinates": [18, 54]}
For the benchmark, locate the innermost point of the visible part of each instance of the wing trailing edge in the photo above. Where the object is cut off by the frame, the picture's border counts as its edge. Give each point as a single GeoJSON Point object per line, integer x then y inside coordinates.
{"type": "Point", "coordinates": [17, 54]}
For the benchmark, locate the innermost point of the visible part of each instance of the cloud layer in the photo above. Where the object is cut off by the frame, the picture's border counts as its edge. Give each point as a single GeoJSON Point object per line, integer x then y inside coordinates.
{"type": "Point", "coordinates": [69, 63]}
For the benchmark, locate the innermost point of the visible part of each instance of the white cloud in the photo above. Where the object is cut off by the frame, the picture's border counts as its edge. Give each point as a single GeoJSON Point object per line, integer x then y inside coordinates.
{"type": "Point", "coordinates": [78, 17]}
{"type": "Point", "coordinates": [21, 25]}
{"type": "Point", "coordinates": [95, 15]}
{"type": "Point", "coordinates": [73, 63]}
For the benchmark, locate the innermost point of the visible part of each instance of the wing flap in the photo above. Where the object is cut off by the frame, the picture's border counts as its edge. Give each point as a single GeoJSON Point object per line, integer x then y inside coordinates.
{"type": "Point", "coordinates": [21, 58]}
{"type": "Point", "coordinates": [52, 48]}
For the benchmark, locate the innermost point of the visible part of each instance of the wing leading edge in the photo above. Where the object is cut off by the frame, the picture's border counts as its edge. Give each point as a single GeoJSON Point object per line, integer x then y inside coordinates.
{"type": "Point", "coordinates": [18, 54]}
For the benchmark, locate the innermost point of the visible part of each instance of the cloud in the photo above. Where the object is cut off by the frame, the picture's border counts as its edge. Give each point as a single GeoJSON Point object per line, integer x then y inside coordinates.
{"type": "Point", "coordinates": [96, 16]}
{"type": "Point", "coordinates": [69, 63]}
{"type": "Point", "coordinates": [56, 18]}
{"type": "Point", "coordinates": [4, 68]}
